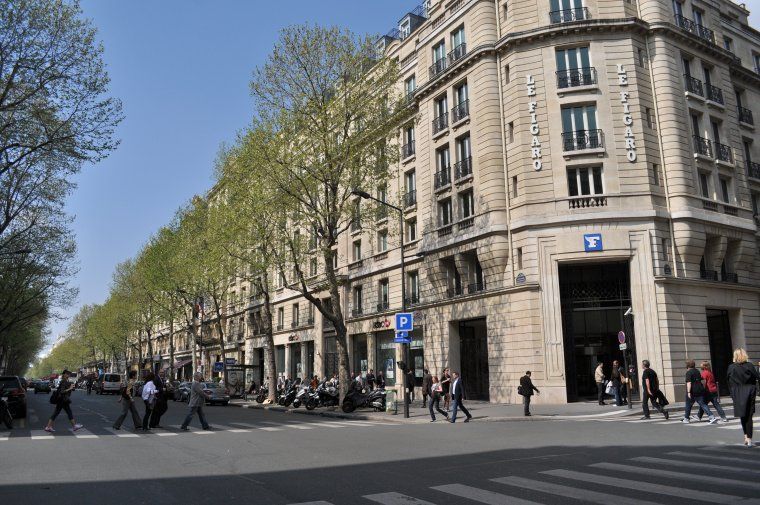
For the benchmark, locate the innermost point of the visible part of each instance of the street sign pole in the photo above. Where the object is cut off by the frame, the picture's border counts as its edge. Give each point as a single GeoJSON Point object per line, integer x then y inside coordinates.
{"type": "Point", "coordinates": [624, 348]}
{"type": "Point", "coordinates": [404, 347]}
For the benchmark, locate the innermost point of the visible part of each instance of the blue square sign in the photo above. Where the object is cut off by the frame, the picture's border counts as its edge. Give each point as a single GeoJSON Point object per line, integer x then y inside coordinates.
{"type": "Point", "coordinates": [592, 242]}
{"type": "Point", "coordinates": [404, 321]}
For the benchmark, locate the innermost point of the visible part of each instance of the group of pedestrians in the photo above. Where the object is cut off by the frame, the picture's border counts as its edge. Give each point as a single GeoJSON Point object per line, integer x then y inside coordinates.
{"type": "Point", "coordinates": [154, 397]}
{"type": "Point", "coordinates": [449, 388]}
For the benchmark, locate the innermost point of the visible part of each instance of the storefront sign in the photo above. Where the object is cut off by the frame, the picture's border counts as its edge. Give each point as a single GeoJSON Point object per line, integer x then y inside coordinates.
{"type": "Point", "coordinates": [385, 323]}
{"type": "Point", "coordinates": [294, 337]}
{"type": "Point", "coordinates": [593, 242]}
{"type": "Point", "coordinates": [535, 143]}
{"type": "Point", "coordinates": [630, 141]}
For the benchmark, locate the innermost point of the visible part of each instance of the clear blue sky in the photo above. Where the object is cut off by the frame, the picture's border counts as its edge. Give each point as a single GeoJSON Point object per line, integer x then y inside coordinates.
{"type": "Point", "coordinates": [181, 68]}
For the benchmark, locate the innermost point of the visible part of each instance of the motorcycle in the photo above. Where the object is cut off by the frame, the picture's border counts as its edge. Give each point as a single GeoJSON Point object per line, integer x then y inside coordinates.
{"type": "Point", "coordinates": [263, 393]}
{"type": "Point", "coordinates": [5, 413]}
{"type": "Point", "coordinates": [288, 395]}
{"type": "Point", "coordinates": [326, 395]}
{"type": "Point", "coordinates": [302, 395]}
{"type": "Point", "coordinates": [358, 398]}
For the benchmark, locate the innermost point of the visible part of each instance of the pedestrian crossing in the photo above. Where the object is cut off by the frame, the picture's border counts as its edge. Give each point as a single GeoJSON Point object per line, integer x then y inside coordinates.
{"type": "Point", "coordinates": [100, 431]}
{"type": "Point", "coordinates": [650, 479]}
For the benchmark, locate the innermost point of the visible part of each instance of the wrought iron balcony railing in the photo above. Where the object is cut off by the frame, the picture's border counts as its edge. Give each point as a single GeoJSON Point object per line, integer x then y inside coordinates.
{"type": "Point", "coordinates": [753, 169]}
{"type": "Point", "coordinates": [714, 94]}
{"type": "Point", "coordinates": [708, 275]}
{"type": "Point", "coordinates": [445, 230]}
{"type": "Point", "coordinates": [476, 287]}
{"type": "Point", "coordinates": [574, 77]}
{"type": "Point", "coordinates": [568, 15]}
{"type": "Point", "coordinates": [440, 123]}
{"type": "Point", "coordinates": [690, 26]}
{"type": "Point", "coordinates": [461, 111]}
{"type": "Point", "coordinates": [457, 53]}
{"type": "Point", "coordinates": [437, 67]}
{"type": "Point", "coordinates": [442, 178]}
{"type": "Point", "coordinates": [383, 306]}
{"type": "Point", "coordinates": [703, 146]}
{"type": "Point", "coordinates": [580, 140]}
{"type": "Point", "coordinates": [407, 150]}
{"type": "Point", "coordinates": [729, 277]}
{"type": "Point", "coordinates": [724, 153]}
{"type": "Point", "coordinates": [410, 198]}
{"type": "Point", "coordinates": [463, 168]}
{"type": "Point", "coordinates": [745, 116]}
{"type": "Point", "coordinates": [693, 85]}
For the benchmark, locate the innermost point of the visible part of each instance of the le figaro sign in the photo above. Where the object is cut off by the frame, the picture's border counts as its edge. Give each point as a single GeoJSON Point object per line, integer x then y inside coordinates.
{"type": "Point", "coordinates": [630, 141]}
{"type": "Point", "coordinates": [535, 143]}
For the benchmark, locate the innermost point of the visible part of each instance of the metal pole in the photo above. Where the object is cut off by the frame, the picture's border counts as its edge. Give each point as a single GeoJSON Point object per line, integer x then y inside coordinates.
{"type": "Point", "coordinates": [405, 347]}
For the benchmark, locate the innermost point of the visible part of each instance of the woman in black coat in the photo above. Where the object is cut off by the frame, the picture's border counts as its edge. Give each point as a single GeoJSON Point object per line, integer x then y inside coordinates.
{"type": "Point", "coordinates": [742, 380]}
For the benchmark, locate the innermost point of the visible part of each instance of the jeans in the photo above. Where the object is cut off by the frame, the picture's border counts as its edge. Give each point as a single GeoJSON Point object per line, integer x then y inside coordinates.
{"type": "Point", "coordinates": [424, 399]}
{"type": "Point", "coordinates": [128, 406]}
{"type": "Point", "coordinates": [715, 400]}
{"type": "Point", "coordinates": [146, 417]}
{"type": "Point", "coordinates": [600, 391]}
{"type": "Point", "coordinates": [616, 393]}
{"type": "Point", "coordinates": [193, 410]}
{"type": "Point", "coordinates": [690, 403]}
{"type": "Point", "coordinates": [656, 402]}
{"type": "Point", "coordinates": [455, 405]}
{"type": "Point", "coordinates": [435, 401]}
{"type": "Point", "coordinates": [526, 405]}
{"type": "Point", "coordinates": [65, 406]}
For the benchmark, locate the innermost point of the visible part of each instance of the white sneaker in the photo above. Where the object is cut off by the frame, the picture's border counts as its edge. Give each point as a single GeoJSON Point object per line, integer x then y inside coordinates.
{"type": "Point", "coordinates": [685, 420]}
{"type": "Point", "coordinates": [713, 420]}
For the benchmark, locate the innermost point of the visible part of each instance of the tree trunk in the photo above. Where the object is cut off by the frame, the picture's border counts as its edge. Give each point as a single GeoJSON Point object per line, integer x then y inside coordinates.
{"type": "Point", "coordinates": [171, 348]}
{"type": "Point", "coordinates": [269, 354]}
{"type": "Point", "coordinates": [336, 317]}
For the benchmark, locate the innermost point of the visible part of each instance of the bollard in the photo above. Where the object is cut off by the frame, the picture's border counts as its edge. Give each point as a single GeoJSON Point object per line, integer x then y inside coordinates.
{"type": "Point", "coordinates": [390, 401]}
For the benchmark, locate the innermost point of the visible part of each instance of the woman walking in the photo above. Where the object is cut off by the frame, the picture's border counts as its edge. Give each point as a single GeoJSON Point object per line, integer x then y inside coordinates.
{"type": "Point", "coordinates": [435, 399]}
{"type": "Point", "coordinates": [128, 403]}
{"type": "Point", "coordinates": [149, 397]}
{"type": "Point", "coordinates": [695, 391]}
{"type": "Point", "coordinates": [742, 381]}
{"type": "Point", "coordinates": [445, 386]}
{"type": "Point", "coordinates": [711, 393]}
{"type": "Point", "coordinates": [62, 400]}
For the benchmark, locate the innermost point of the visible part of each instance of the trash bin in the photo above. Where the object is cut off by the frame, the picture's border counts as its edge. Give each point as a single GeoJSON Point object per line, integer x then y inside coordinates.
{"type": "Point", "coordinates": [390, 401]}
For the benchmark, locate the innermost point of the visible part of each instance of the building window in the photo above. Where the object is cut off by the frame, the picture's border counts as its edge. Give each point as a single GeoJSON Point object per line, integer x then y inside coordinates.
{"type": "Point", "coordinates": [443, 165]}
{"type": "Point", "coordinates": [281, 280]}
{"type": "Point", "coordinates": [444, 212]}
{"type": "Point", "coordinates": [458, 42]}
{"type": "Point", "coordinates": [411, 230]}
{"type": "Point", "coordinates": [641, 57]}
{"type": "Point", "coordinates": [574, 68]}
{"type": "Point", "coordinates": [461, 108]}
{"type": "Point", "coordinates": [725, 189]}
{"type": "Point", "coordinates": [357, 250]}
{"type": "Point", "coordinates": [728, 44]}
{"type": "Point", "coordinates": [585, 181]}
{"type": "Point", "coordinates": [410, 85]}
{"type": "Point", "coordinates": [335, 259]}
{"type": "Point", "coordinates": [656, 174]}
{"type": "Point", "coordinates": [564, 11]}
{"type": "Point", "coordinates": [506, 74]}
{"type": "Point", "coordinates": [313, 267]}
{"type": "Point", "coordinates": [408, 148]}
{"type": "Point", "coordinates": [755, 197]}
{"type": "Point", "coordinates": [280, 318]}
{"type": "Point", "coordinates": [295, 318]}
{"type": "Point", "coordinates": [756, 59]}
{"type": "Point", "coordinates": [466, 204]}
{"type": "Point", "coordinates": [440, 114]}
{"type": "Point", "coordinates": [704, 184]}
{"type": "Point", "coordinates": [579, 128]}
{"type": "Point", "coordinates": [410, 186]}
{"type": "Point", "coordinates": [648, 116]}
{"type": "Point", "coordinates": [439, 57]}
{"type": "Point", "coordinates": [514, 186]}
{"type": "Point", "coordinates": [358, 301]}
{"type": "Point", "coordinates": [511, 131]}
{"type": "Point", "coordinates": [382, 241]}
{"type": "Point", "coordinates": [678, 8]}
{"type": "Point", "coordinates": [413, 287]}
{"type": "Point", "coordinates": [519, 258]}
{"type": "Point", "coordinates": [383, 295]}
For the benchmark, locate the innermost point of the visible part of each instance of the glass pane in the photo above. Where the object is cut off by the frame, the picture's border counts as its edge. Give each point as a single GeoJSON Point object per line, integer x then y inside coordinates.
{"type": "Point", "coordinates": [572, 183]}
{"type": "Point", "coordinates": [598, 185]}
{"type": "Point", "coordinates": [585, 61]}
{"type": "Point", "coordinates": [554, 5]}
{"type": "Point", "coordinates": [578, 118]}
{"type": "Point", "coordinates": [591, 117]}
{"type": "Point", "coordinates": [561, 63]}
{"type": "Point", "coordinates": [583, 174]}
{"type": "Point", "coordinates": [572, 58]}
{"type": "Point", "coordinates": [567, 119]}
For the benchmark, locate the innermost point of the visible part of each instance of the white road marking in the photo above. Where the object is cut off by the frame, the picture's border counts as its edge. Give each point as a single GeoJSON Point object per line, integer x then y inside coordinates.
{"type": "Point", "coordinates": [395, 499]}
{"type": "Point", "coordinates": [83, 433]}
{"type": "Point", "coordinates": [165, 434]}
{"type": "Point", "coordinates": [4, 436]}
{"type": "Point", "coordinates": [41, 435]}
{"type": "Point", "coordinates": [586, 495]}
{"type": "Point", "coordinates": [120, 434]}
{"type": "Point", "coordinates": [313, 503]}
{"type": "Point", "coordinates": [712, 457]}
{"type": "Point", "coordinates": [694, 464]}
{"type": "Point", "coordinates": [698, 476]}
{"type": "Point", "coordinates": [481, 495]}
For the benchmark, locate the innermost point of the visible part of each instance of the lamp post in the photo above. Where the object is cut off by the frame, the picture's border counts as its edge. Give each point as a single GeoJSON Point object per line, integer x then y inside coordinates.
{"type": "Point", "coordinates": [405, 347]}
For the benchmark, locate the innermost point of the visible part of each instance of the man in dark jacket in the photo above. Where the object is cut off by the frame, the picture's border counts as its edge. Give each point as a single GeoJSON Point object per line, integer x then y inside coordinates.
{"type": "Point", "coordinates": [427, 384]}
{"type": "Point", "coordinates": [457, 395]}
{"type": "Point", "coordinates": [161, 403]}
{"type": "Point", "coordinates": [526, 390]}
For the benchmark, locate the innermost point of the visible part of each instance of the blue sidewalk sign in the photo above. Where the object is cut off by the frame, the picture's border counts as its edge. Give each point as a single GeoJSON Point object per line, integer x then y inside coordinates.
{"type": "Point", "coordinates": [404, 321]}
{"type": "Point", "coordinates": [219, 366]}
{"type": "Point", "coordinates": [593, 242]}
{"type": "Point", "coordinates": [402, 337]}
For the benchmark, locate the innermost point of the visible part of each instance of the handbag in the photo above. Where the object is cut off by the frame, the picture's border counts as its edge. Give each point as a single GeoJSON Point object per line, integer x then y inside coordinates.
{"type": "Point", "coordinates": [610, 389]}
{"type": "Point", "coordinates": [520, 390]}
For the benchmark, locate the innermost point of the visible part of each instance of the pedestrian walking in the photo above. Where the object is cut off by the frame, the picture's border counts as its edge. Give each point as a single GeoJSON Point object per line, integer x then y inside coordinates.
{"type": "Point", "coordinates": [380, 380]}
{"type": "Point", "coordinates": [409, 380]}
{"type": "Point", "coordinates": [742, 381]}
{"type": "Point", "coordinates": [525, 389]}
{"type": "Point", "coordinates": [711, 391]}
{"type": "Point", "coordinates": [161, 404]}
{"type": "Point", "coordinates": [650, 390]}
{"type": "Point", "coordinates": [427, 383]}
{"type": "Point", "coordinates": [457, 395]}
{"type": "Point", "coordinates": [446, 387]}
{"type": "Point", "coordinates": [149, 398]}
{"type": "Point", "coordinates": [599, 379]}
{"type": "Point", "coordinates": [61, 398]}
{"type": "Point", "coordinates": [371, 379]}
{"type": "Point", "coordinates": [695, 390]}
{"type": "Point", "coordinates": [197, 401]}
{"type": "Point", "coordinates": [128, 403]}
{"type": "Point", "coordinates": [616, 376]}
{"type": "Point", "coordinates": [89, 385]}
{"type": "Point", "coordinates": [435, 399]}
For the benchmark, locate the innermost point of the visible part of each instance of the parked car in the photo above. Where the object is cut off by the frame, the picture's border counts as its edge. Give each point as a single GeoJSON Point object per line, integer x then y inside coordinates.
{"type": "Point", "coordinates": [15, 395]}
{"type": "Point", "coordinates": [24, 383]}
{"type": "Point", "coordinates": [218, 393]}
{"type": "Point", "coordinates": [111, 384]}
{"type": "Point", "coordinates": [41, 387]}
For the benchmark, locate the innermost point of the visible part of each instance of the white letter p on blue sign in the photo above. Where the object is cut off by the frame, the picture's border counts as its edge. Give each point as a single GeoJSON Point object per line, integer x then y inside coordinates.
{"type": "Point", "coordinates": [404, 321]}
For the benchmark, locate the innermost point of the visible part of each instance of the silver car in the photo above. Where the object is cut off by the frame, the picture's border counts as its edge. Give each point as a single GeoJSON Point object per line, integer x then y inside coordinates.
{"type": "Point", "coordinates": [217, 394]}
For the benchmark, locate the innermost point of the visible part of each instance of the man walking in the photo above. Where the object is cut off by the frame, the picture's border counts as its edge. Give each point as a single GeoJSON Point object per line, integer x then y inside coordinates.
{"type": "Point", "coordinates": [526, 390]}
{"type": "Point", "coordinates": [161, 403]}
{"type": "Point", "coordinates": [128, 403]}
{"type": "Point", "coordinates": [650, 390]}
{"type": "Point", "coordinates": [197, 400]}
{"type": "Point", "coordinates": [457, 395]}
{"type": "Point", "coordinates": [427, 384]}
{"type": "Point", "coordinates": [371, 379]}
{"type": "Point", "coordinates": [599, 379]}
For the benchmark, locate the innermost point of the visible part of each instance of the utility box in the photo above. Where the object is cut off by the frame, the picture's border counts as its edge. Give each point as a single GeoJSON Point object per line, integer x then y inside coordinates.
{"type": "Point", "coordinates": [390, 401]}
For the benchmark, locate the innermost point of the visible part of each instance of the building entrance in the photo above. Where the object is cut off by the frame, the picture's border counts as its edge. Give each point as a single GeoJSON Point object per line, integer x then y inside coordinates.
{"type": "Point", "coordinates": [721, 350]}
{"type": "Point", "coordinates": [473, 349]}
{"type": "Point", "coordinates": [594, 300]}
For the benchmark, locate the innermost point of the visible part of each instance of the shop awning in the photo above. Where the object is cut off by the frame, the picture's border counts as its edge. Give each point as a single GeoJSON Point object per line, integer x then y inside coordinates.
{"type": "Point", "coordinates": [180, 364]}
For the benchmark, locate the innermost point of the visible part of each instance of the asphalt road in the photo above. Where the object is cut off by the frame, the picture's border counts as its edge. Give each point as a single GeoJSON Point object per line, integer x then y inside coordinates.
{"type": "Point", "coordinates": [262, 457]}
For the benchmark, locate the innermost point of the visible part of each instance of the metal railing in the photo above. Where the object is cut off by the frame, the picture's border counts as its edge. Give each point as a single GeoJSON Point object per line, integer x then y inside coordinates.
{"type": "Point", "coordinates": [356, 311]}
{"type": "Point", "coordinates": [407, 150]}
{"type": "Point", "coordinates": [693, 85]}
{"type": "Point", "coordinates": [460, 111]}
{"type": "Point", "coordinates": [463, 168]}
{"type": "Point", "coordinates": [745, 115]}
{"type": "Point", "coordinates": [442, 178]}
{"type": "Point", "coordinates": [690, 26]}
{"type": "Point", "coordinates": [753, 169]}
{"type": "Point", "coordinates": [714, 94]}
{"type": "Point", "coordinates": [457, 53]}
{"type": "Point", "coordinates": [708, 275]}
{"type": "Point", "coordinates": [710, 205]}
{"type": "Point", "coordinates": [703, 146]}
{"type": "Point", "coordinates": [476, 287]}
{"type": "Point", "coordinates": [587, 202]}
{"type": "Point", "coordinates": [573, 77]}
{"type": "Point", "coordinates": [579, 140]}
{"type": "Point", "coordinates": [410, 198]}
{"type": "Point", "coordinates": [466, 222]}
{"type": "Point", "coordinates": [414, 299]}
{"type": "Point", "coordinates": [445, 230]}
{"type": "Point", "coordinates": [453, 291]}
{"type": "Point", "coordinates": [729, 277]}
{"type": "Point", "coordinates": [440, 123]}
{"type": "Point", "coordinates": [383, 306]}
{"type": "Point", "coordinates": [437, 67]}
{"type": "Point", "coordinates": [568, 15]}
{"type": "Point", "coordinates": [730, 210]}
{"type": "Point", "coordinates": [724, 153]}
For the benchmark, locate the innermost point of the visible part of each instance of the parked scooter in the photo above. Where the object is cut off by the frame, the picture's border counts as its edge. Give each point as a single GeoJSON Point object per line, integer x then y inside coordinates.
{"type": "Point", "coordinates": [302, 395]}
{"type": "Point", "coordinates": [289, 394]}
{"type": "Point", "coordinates": [5, 413]}
{"type": "Point", "coordinates": [262, 393]}
{"type": "Point", "coordinates": [359, 398]}
{"type": "Point", "coordinates": [326, 395]}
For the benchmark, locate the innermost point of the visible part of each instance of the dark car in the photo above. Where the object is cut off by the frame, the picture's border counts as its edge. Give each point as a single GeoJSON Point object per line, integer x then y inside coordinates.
{"type": "Point", "coordinates": [217, 393]}
{"type": "Point", "coordinates": [41, 387]}
{"type": "Point", "coordinates": [12, 390]}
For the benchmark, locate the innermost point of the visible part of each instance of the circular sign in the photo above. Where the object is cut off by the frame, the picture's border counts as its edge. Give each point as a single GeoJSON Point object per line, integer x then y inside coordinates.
{"type": "Point", "coordinates": [621, 337]}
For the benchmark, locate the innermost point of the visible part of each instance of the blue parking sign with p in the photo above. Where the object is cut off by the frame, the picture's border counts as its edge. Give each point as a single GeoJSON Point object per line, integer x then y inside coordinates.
{"type": "Point", "coordinates": [404, 321]}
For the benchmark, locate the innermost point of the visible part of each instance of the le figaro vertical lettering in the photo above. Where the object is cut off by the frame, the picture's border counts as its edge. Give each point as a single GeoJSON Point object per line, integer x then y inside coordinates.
{"type": "Point", "coordinates": [630, 141]}
{"type": "Point", "coordinates": [535, 143]}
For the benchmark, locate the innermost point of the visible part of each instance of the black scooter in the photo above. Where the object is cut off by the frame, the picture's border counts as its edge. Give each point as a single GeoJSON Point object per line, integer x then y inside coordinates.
{"type": "Point", "coordinates": [359, 398]}
{"type": "Point", "coordinates": [5, 413]}
{"type": "Point", "coordinates": [326, 395]}
{"type": "Point", "coordinates": [289, 395]}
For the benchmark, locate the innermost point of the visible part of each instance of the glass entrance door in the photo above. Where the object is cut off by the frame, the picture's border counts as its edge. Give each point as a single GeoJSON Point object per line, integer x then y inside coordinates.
{"type": "Point", "coordinates": [721, 349]}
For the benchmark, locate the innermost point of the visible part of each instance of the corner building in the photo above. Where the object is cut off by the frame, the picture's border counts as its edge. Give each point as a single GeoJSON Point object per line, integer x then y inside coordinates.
{"type": "Point", "coordinates": [575, 168]}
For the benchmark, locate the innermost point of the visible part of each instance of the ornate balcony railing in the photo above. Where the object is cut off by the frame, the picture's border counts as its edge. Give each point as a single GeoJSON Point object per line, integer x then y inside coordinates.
{"type": "Point", "coordinates": [460, 111]}
{"type": "Point", "coordinates": [574, 77]}
{"type": "Point", "coordinates": [690, 26]}
{"type": "Point", "coordinates": [410, 198]}
{"type": "Point", "coordinates": [440, 123]}
{"type": "Point", "coordinates": [729, 277]}
{"type": "Point", "coordinates": [445, 230]}
{"type": "Point", "coordinates": [407, 150]}
{"type": "Point", "coordinates": [745, 116]}
{"type": "Point", "coordinates": [708, 275]}
{"type": "Point", "coordinates": [710, 205]}
{"type": "Point", "coordinates": [442, 178]}
{"type": "Point", "coordinates": [587, 202]}
{"type": "Point", "coordinates": [457, 53]}
{"type": "Point", "coordinates": [724, 153]}
{"type": "Point", "coordinates": [476, 287]}
{"type": "Point", "coordinates": [437, 67]}
{"type": "Point", "coordinates": [463, 168]}
{"type": "Point", "coordinates": [714, 94]}
{"type": "Point", "coordinates": [356, 311]}
{"type": "Point", "coordinates": [730, 210]}
{"type": "Point", "coordinates": [568, 15]}
{"type": "Point", "coordinates": [693, 85]}
{"type": "Point", "coordinates": [383, 306]}
{"type": "Point", "coordinates": [753, 169]}
{"type": "Point", "coordinates": [466, 222]}
{"type": "Point", "coordinates": [579, 140]}
{"type": "Point", "coordinates": [703, 146]}
{"type": "Point", "coordinates": [414, 299]}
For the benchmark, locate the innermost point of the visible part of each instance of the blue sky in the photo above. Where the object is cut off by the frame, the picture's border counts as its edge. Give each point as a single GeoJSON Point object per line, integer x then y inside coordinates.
{"type": "Point", "coordinates": [181, 68]}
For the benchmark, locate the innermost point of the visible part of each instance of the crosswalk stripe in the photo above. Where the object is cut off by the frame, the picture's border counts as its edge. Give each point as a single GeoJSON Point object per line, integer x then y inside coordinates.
{"type": "Point", "coordinates": [570, 492]}
{"type": "Point", "coordinates": [313, 503]}
{"type": "Point", "coordinates": [694, 464]}
{"type": "Point", "coordinates": [395, 499]}
{"type": "Point", "coordinates": [297, 426]}
{"type": "Point", "coordinates": [712, 457]}
{"type": "Point", "coordinates": [166, 434]}
{"type": "Point", "coordinates": [693, 494]}
{"type": "Point", "coordinates": [245, 425]}
{"type": "Point", "coordinates": [120, 434]}
{"type": "Point", "coordinates": [481, 495]}
{"type": "Point", "coordinates": [657, 472]}
{"type": "Point", "coordinates": [84, 433]}
{"type": "Point", "coordinates": [329, 425]}
{"type": "Point", "coordinates": [4, 436]}
{"type": "Point", "coordinates": [41, 435]}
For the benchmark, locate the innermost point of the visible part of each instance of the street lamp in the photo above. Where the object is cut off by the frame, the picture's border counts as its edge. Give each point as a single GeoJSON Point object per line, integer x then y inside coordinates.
{"type": "Point", "coordinates": [366, 196]}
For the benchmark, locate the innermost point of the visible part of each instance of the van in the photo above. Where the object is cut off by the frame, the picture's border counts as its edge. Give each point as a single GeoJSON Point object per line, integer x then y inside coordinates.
{"type": "Point", "coordinates": [111, 384]}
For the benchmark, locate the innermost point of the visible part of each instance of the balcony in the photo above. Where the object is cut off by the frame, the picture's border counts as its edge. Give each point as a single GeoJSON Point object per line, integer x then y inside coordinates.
{"type": "Point", "coordinates": [457, 53]}
{"type": "Point", "coordinates": [463, 168]}
{"type": "Point", "coordinates": [356, 311]}
{"type": "Point", "coordinates": [383, 306]}
{"type": "Point", "coordinates": [753, 170]}
{"type": "Point", "coordinates": [745, 116]}
{"type": "Point", "coordinates": [708, 275]}
{"type": "Point", "coordinates": [714, 94]}
{"type": "Point", "coordinates": [730, 210]}
{"type": "Point", "coordinates": [710, 205]}
{"type": "Point", "coordinates": [437, 67]}
{"type": "Point", "coordinates": [724, 153]}
{"type": "Point", "coordinates": [441, 123]}
{"type": "Point", "coordinates": [703, 146]}
{"type": "Point", "coordinates": [575, 77]}
{"type": "Point", "coordinates": [476, 287]}
{"type": "Point", "coordinates": [280, 326]}
{"type": "Point", "coordinates": [466, 222]}
{"type": "Point", "coordinates": [445, 230]}
{"type": "Point", "coordinates": [568, 15]}
{"type": "Point", "coordinates": [412, 300]}
{"type": "Point", "coordinates": [729, 277]}
{"type": "Point", "coordinates": [453, 291]}
{"type": "Point", "coordinates": [407, 150]}
{"type": "Point", "coordinates": [460, 112]}
{"type": "Point", "coordinates": [442, 178]}
{"type": "Point", "coordinates": [294, 324]}
{"type": "Point", "coordinates": [587, 202]}
{"type": "Point", "coordinates": [693, 85]}
{"type": "Point", "coordinates": [700, 31]}
{"type": "Point", "coordinates": [410, 198]}
{"type": "Point", "coordinates": [581, 140]}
